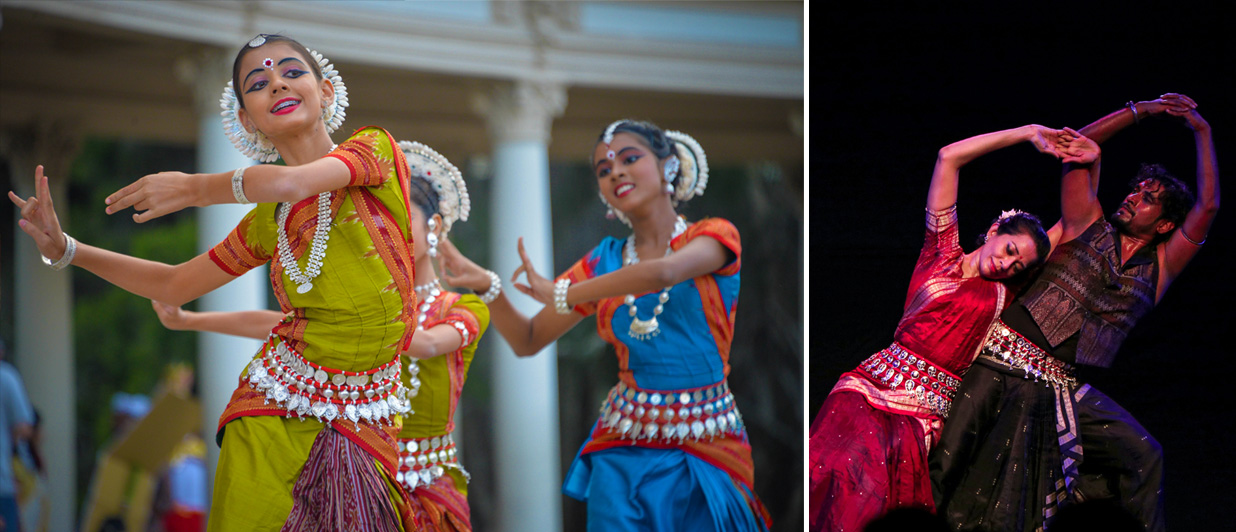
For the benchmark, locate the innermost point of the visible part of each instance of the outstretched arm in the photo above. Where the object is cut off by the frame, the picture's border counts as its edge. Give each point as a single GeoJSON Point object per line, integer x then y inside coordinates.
{"type": "Point", "coordinates": [437, 340]}
{"type": "Point", "coordinates": [1185, 242]}
{"type": "Point", "coordinates": [943, 190]}
{"type": "Point", "coordinates": [246, 323]}
{"type": "Point", "coordinates": [177, 284]}
{"type": "Point", "coordinates": [166, 192]}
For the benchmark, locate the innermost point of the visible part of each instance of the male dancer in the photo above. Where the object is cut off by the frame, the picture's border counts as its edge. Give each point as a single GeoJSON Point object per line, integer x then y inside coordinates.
{"type": "Point", "coordinates": [1099, 281]}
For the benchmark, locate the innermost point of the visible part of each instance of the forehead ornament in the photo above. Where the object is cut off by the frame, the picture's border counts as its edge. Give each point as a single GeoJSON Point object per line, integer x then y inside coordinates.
{"type": "Point", "coordinates": [268, 63]}
{"type": "Point", "coordinates": [257, 41]}
{"type": "Point", "coordinates": [608, 138]}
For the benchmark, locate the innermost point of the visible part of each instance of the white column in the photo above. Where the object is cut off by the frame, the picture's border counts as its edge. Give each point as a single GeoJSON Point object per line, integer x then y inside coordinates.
{"type": "Point", "coordinates": [220, 358]}
{"type": "Point", "coordinates": [43, 348]}
{"type": "Point", "coordinates": [525, 404]}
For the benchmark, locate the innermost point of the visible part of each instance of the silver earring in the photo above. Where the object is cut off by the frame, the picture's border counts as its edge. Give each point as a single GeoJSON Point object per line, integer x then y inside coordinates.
{"type": "Point", "coordinates": [669, 189]}
{"type": "Point", "coordinates": [432, 238]}
{"type": "Point", "coordinates": [671, 168]}
{"type": "Point", "coordinates": [433, 245]}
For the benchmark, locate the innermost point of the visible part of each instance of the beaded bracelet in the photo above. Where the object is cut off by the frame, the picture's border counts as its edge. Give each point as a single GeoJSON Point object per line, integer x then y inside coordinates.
{"type": "Point", "coordinates": [560, 293]}
{"type": "Point", "coordinates": [495, 288]}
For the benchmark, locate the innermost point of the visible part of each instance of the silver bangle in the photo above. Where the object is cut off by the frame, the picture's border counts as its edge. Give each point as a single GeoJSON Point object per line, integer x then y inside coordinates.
{"type": "Point", "coordinates": [495, 288]}
{"type": "Point", "coordinates": [560, 293]}
{"type": "Point", "coordinates": [1182, 233]}
{"type": "Point", "coordinates": [238, 186]}
{"type": "Point", "coordinates": [1133, 107]}
{"type": "Point", "coordinates": [70, 249]}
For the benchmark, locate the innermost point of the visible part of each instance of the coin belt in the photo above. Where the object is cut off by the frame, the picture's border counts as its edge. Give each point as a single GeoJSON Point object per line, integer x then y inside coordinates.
{"type": "Point", "coordinates": [307, 389]}
{"type": "Point", "coordinates": [424, 460]}
{"type": "Point", "coordinates": [898, 368]}
{"type": "Point", "coordinates": [1012, 350]}
{"type": "Point", "coordinates": [669, 416]}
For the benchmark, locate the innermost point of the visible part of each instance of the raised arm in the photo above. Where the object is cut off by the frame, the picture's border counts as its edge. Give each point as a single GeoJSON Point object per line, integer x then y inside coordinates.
{"type": "Point", "coordinates": [1079, 205]}
{"type": "Point", "coordinates": [1079, 201]}
{"type": "Point", "coordinates": [526, 336]}
{"type": "Point", "coordinates": [1133, 112]}
{"type": "Point", "coordinates": [943, 190]}
{"type": "Point", "coordinates": [1186, 241]}
{"type": "Point", "coordinates": [166, 192]}
{"type": "Point", "coordinates": [177, 284]}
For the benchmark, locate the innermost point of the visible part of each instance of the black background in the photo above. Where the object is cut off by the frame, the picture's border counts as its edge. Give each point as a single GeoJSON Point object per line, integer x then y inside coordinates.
{"type": "Point", "coordinates": [891, 85]}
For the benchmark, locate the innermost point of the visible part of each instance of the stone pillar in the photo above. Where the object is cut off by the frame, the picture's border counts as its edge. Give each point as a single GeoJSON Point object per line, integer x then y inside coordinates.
{"type": "Point", "coordinates": [42, 351]}
{"type": "Point", "coordinates": [220, 358]}
{"type": "Point", "coordinates": [525, 399]}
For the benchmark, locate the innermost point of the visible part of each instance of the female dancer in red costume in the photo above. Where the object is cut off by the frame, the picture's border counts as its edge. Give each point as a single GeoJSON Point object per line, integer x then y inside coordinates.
{"type": "Point", "coordinates": [869, 442]}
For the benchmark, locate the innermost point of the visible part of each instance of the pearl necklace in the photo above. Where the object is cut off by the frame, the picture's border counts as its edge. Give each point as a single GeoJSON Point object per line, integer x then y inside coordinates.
{"type": "Point", "coordinates": [644, 329]}
{"type": "Point", "coordinates": [435, 290]}
{"type": "Point", "coordinates": [317, 248]}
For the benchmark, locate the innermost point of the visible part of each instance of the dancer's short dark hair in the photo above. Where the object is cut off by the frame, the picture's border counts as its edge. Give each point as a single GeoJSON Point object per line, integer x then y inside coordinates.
{"type": "Point", "coordinates": [1176, 198]}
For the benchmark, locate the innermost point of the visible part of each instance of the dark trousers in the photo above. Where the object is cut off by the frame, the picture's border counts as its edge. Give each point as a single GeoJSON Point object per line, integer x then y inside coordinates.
{"type": "Point", "coordinates": [1120, 459]}
{"type": "Point", "coordinates": [998, 462]}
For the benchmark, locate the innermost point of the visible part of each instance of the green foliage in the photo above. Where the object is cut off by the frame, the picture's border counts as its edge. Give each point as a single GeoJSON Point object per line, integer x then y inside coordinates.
{"type": "Point", "coordinates": [121, 346]}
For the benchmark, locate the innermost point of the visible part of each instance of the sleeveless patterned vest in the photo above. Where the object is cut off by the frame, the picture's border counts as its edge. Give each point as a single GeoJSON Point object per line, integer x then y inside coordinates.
{"type": "Point", "coordinates": [1083, 288]}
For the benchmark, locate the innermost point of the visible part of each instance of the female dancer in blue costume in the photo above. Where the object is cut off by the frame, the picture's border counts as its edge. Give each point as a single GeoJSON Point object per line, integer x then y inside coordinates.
{"type": "Point", "coordinates": [670, 451]}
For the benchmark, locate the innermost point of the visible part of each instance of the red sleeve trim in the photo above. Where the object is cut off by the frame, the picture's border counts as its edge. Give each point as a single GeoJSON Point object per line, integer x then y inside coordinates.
{"type": "Point", "coordinates": [723, 232]}
{"type": "Point", "coordinates": [233, 255]}
{"type": "Point", "coordinates": [582, 270]}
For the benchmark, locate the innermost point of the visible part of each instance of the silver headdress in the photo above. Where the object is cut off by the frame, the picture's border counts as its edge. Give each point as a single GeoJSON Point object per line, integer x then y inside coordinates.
{"type": "Point", "coordinates": [425, 163]}
{"type": "Point", "coordinates": [693, 166]}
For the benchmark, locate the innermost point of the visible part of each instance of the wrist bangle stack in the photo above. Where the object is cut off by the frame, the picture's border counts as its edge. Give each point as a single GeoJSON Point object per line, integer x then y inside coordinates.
{"type": "Point", "coordinates": [70, 249]}
{"type": "Point", "coordinates": [1133, 107]}
{"type": "Point", "coordinates": [238, 186]}
{"type": "Point", "coordinates": [560, 293]}
{"type": "Point", "coordinates": [495, 288]}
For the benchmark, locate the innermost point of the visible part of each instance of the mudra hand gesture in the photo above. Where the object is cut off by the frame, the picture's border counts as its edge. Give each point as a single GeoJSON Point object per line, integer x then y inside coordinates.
{"type": "Point", "coordinates": [156, 195]}
{"type": "Point", "coordinates": [38, 218]}
{"type": "Point", "coordinates": [458, 270]}
{"type": "Point", "coordinates": [538, 288]}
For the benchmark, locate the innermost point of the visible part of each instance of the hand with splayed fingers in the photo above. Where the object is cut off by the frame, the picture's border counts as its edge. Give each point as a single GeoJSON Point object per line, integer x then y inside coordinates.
{"type": "Point", "coordinates": [38, 218]}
